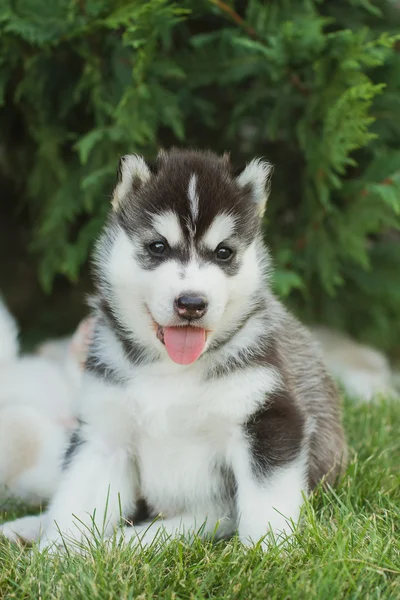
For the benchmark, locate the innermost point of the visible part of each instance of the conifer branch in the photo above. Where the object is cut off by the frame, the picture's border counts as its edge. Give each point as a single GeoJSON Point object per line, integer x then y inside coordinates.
{"type": "Point", "coordinates": [235, 17]}
{"type": "Point", "coordinates": [294, 78]}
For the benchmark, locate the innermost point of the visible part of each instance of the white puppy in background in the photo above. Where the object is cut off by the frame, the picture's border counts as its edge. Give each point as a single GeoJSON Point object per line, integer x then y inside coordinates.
{"type": "Point", "coordinates": [38, 394]}
{"type": "Point", "coordinates": [363, 371]}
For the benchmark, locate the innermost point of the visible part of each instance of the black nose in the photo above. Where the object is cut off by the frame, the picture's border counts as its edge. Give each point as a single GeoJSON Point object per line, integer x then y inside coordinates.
{"type": "Point", "coordinates": [191, 306]}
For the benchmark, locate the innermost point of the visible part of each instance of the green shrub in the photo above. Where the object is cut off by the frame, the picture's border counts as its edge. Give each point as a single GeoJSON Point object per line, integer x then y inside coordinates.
{"type": "Point", "coordinates": [312, 85]}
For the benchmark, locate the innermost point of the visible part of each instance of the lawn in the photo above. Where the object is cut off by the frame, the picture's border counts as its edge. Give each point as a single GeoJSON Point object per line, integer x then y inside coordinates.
{"type": "Point", "coordinates": [347, 547]}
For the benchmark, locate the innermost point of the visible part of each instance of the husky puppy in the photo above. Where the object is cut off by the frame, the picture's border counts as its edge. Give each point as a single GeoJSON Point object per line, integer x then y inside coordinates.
{"type": "Point", "coordinates": [204, 400]}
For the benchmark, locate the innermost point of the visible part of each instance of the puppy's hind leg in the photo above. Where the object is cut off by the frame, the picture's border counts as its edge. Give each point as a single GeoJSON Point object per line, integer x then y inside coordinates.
{"type": "Point", "coordinates": [97, 488]}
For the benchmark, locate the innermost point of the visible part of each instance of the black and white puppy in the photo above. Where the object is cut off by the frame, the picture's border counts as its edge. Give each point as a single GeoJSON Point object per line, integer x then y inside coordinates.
{"type": "Point", "coordinates": [203, 398]}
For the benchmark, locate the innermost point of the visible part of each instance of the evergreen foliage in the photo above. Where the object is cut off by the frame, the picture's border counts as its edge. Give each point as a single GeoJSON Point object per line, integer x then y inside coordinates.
{"type": "Point", "coordinates": [314, 85]}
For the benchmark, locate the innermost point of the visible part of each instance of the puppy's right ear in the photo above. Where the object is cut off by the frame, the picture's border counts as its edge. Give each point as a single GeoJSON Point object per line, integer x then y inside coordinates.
{"type": "Point", "coordinates": [133, 172]}
{"type": "Point", "coordinates": [256, 178]}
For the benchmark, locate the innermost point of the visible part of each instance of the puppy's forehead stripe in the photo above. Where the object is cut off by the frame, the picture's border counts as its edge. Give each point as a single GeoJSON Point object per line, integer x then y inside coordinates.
{"type": "Point", "coordinates": [167, 225]}
{"type": "Point", "coordinates": [220, 229]}
{"type": "Point", "coordinates": [193, 198]}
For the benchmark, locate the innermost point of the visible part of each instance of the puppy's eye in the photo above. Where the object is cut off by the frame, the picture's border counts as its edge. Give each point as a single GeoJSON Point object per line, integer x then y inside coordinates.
{"type": "Point", "coordinates": [223, 253]}
{"type": "Point", "coordinates": [157, 248]}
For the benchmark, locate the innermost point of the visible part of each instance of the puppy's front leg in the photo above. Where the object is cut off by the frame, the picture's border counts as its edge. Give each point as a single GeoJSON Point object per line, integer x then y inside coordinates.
{"type": "Point", "coordinates": [96, 488]}
{"type": "Point", "coordinates": [100, 479]}
{"type": "Point", "coordinates": [270, 466]}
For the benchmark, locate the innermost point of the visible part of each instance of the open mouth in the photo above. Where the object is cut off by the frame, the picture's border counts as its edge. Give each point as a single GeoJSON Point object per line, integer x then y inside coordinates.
{"type": "Point", "coordinates": [184, 344]}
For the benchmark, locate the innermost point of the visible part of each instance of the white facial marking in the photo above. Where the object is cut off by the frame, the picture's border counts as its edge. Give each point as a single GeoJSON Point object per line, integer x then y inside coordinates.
{"type": "Point", "coordinates": [167, 225]}
{"type": "Point", "coordinates": [221, 228]}
{"type": "Point", "coordinates": [228, 297]}
{"type": "Point", "coordinates": [193, 198]}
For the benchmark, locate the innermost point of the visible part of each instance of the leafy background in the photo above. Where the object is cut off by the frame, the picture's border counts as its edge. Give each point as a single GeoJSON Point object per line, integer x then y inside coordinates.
{"type": "Point", "coordinates": [314, 86]}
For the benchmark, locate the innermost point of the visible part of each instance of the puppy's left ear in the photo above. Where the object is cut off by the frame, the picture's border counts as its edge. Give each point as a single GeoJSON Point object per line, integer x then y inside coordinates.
{"type": "Point", "coordinates": [133, 172]}
{"type": "Point", "coordinates": [257, 177]}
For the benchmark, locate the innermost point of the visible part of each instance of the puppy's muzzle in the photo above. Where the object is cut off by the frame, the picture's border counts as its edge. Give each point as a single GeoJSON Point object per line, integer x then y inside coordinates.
{"type": "Point", "coordinates": [191, 306]}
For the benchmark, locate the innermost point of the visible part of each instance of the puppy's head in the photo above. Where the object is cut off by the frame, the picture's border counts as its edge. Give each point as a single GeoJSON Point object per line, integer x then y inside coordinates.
{"type": "Point", "coordinates": [181, 257]}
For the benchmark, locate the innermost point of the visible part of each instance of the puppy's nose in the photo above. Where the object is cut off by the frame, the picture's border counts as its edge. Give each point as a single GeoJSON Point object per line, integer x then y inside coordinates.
{"type": "Point", "coordinates": [191, 306]}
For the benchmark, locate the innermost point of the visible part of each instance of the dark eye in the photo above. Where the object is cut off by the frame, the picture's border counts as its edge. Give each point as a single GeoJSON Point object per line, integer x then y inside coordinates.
{"type": "Point", "coordinates": [157, 248]}
{"type": "Point", "coordinates": [223, 253]}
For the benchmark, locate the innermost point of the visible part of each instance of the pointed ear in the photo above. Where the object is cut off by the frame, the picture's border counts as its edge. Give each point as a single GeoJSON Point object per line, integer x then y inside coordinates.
{"type": "Point", "coordinates": [256, 177]}
{"type": "Point", "coordinates": [226, 159]}
{"type": "Point", "coordinates": [133, 172]}
{"type": "Point", "coordinates": [162, 154]}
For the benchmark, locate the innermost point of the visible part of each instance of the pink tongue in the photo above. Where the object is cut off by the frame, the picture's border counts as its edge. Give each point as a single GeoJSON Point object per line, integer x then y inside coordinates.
{"type": "Point", "coordinates": [184, 344]}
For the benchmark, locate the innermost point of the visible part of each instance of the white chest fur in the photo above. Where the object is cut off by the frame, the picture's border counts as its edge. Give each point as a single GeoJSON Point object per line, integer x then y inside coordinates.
{"type": "Point", "coordinates": [179, 426]}
{"type": "Point", "coordinates": [165, 399]}
{"type": "Point", "coordinates": [184, 429]}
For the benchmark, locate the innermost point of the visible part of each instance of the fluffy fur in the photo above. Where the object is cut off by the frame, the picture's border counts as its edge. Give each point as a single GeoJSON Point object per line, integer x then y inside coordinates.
{"type": "Point", "coordinates": [37, 404]}
{"type": "Point", "coordinates": [229, 442]}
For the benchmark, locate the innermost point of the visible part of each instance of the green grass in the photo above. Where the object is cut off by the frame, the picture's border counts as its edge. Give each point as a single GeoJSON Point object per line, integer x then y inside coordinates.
{"type": "Point", "coordinates": [347, 547]}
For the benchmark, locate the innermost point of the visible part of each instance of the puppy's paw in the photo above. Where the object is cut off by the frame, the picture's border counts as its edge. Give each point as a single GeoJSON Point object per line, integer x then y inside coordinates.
{"type": "Point", "coordinates": [25, 530]}
{"type": "Point", "coordinates": [53, 546]}
{"type": "Point", "coordinates": [140, 535]}
{"type": "Point", "coordinates": [273, 538]}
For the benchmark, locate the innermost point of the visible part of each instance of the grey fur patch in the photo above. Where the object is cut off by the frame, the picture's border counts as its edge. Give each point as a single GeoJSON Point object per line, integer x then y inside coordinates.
{"type": "Point", "coordinates": [219, 342]}
{"type": "Point", "coordinates": [308, 384]}
{"type": "Point", "coordinates": [149, 262]}
{"type": "Point", "coordinates": [135, 352]}
{"type": "Point", "coordinates": [141, 514]}
{"type": "Point", "coordinates": [101, 370]}
{"type": "Point", "coordinates": [75, 443]}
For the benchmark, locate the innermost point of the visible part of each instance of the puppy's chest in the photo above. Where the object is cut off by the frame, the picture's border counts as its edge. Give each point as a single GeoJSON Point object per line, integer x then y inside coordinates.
{"type": "Point", "coordinates": [169, 405]}
{"type": "Point", "coordinates": [185, 426]}
{"type": "Point", "coordinates": [181, 471]}
{"type": "Point", "coordinates": [182, 438]}
{"type": "Point", "coordinates": [167, 402]}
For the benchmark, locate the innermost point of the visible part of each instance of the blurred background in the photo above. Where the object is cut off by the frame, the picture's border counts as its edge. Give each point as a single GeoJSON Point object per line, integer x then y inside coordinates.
{"type": "Point", "coordinates": [313, 86]}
